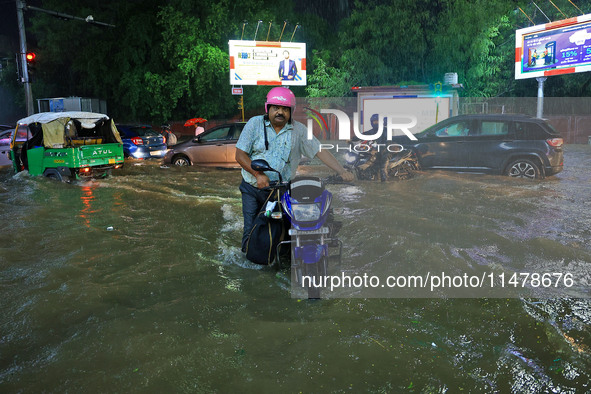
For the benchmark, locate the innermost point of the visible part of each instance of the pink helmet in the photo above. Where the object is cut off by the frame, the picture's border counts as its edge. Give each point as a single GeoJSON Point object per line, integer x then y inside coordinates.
{"type": "Point", "coordinates": [281, 96]}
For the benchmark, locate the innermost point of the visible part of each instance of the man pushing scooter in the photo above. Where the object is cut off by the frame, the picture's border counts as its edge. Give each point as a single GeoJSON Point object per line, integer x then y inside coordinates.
{"type": "Point", "coordinates": [279, 140]}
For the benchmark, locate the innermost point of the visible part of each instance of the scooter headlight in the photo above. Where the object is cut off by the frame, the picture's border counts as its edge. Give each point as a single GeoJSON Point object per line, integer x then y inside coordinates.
{"type": "Point", "coordinates": [350, 157]}
{"type": "Point", "coordinates": [306, 212]}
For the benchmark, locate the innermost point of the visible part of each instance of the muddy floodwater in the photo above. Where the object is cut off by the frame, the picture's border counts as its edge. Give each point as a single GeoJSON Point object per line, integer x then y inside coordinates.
{"type": "Point", "coordinates": [136, 283]}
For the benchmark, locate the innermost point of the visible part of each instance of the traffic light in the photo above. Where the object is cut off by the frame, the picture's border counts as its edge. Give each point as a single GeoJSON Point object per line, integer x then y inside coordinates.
{"type": "Point", "coordinates": [31, 62]}
{"type": "Point", "coordinates": [30, 56]}
{"type": "Point", "coordinates": [438, 89]}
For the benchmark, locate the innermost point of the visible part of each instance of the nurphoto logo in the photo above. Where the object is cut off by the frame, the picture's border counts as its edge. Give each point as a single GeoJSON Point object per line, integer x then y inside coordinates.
{"type": "Point", "coordinates": [393, 122]}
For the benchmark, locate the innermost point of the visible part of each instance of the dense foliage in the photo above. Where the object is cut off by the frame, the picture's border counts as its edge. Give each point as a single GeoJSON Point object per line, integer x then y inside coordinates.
{"type": "Point", "coordinates": [168, 60]}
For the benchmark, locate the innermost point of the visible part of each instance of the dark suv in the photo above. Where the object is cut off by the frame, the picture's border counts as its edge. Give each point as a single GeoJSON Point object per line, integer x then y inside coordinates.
{"type": "Point", "coordinates": [514, 145]}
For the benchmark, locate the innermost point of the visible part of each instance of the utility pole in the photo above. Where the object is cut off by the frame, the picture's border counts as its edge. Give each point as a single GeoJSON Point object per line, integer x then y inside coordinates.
{"type": "Point", "coordinates": [20, 5]}
{"type": "Point", "coordinates": [241, 106]}
{"type": "Point", "coordinates": [540, 109]}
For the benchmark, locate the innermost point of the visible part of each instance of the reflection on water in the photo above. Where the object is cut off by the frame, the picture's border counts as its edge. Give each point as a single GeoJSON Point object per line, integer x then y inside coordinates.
{"type": "Point", "coordinates": [87, 199]}
{"type": "Point", "coordinates": [165, 302]}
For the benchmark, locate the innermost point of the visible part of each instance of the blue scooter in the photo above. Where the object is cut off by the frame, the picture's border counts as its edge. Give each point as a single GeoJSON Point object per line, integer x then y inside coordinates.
{"type": "Point", "coordinates": [307, 205]}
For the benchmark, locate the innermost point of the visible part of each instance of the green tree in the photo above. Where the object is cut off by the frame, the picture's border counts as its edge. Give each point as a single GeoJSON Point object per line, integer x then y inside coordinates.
{"type": "Point", "coordinates": [79, 59]}
{"type": "Point", "coordinates": [473, 39]}
{"type": "Point", "coordinates": [327, 81]}
{"type": "Point", "coordinates": [385, 42]}
{"type": "Point", "coordinates": [160, 62]}
{"type": "Point", "coordinates": [168, 60]}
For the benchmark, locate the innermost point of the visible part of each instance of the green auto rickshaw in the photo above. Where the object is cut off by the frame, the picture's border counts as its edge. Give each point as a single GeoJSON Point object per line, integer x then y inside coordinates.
{"type": "Point", "coordinates": [66, 145]}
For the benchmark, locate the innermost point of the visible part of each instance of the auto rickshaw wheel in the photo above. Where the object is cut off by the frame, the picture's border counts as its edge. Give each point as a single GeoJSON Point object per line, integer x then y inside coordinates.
{"type": "Point", "coordinates": [52, 173]}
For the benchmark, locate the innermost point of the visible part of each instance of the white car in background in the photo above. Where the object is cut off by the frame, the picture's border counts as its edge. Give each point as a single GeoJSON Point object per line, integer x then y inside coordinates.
{"type": "Point", "coordinates": [5, 147]}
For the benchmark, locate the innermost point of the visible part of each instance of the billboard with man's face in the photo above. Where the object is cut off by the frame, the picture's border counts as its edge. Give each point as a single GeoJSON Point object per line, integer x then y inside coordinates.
{"type": "Point", "coordinates": [561, 47]}
{"type": "Point", "coordinates": [267, 63]}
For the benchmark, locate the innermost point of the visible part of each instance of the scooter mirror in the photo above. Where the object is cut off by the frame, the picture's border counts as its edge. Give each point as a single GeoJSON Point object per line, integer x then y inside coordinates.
{"type": "Point", "coordinates": [260, 165]}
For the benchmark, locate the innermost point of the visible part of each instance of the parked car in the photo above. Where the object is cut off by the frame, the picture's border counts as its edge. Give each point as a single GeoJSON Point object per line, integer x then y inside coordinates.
{"type": "Point", "coordinates": [5, 138]}
{"type": "Point", "coordinates": [513, 145]}
{"type": "Point", "coordinates": [142, 142]}
{"type": "Point", "coordinates": [214, 147]}
{"type": "Point", "coordinates": [66, 145]}
{"type": "Point", "coordinates": [5, 147]}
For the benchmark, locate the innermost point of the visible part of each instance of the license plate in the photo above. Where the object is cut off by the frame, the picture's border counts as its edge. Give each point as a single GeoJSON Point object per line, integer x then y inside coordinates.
{"type": "Point", "coordinates": [157, 152]}
{"type": "Point", "coordinates": [322, 230]}
{"type": "Point", "coordinates": [111, 161]}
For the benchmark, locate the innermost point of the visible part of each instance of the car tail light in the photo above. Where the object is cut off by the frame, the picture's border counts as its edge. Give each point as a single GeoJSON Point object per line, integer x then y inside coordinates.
{"type": "Point", "coordinates": [555, 141]}
{"type": "Point", "coordinates": [137, 140]}
{"type": "Point", "coordinates": [163, 139]}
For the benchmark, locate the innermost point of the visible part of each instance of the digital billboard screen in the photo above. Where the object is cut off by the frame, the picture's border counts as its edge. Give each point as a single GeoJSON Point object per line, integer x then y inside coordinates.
{"type": "Point", "coordinates": [267, 63]}
{"type": "Point", "coordinates": [555, 48]}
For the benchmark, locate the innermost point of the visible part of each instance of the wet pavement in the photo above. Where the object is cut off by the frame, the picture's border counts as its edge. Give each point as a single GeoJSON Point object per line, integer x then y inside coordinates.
{"type": "Point", "coordinates": [136, 283]}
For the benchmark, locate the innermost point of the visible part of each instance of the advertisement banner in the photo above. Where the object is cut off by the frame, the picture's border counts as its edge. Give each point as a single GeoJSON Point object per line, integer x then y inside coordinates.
{"type": "Point", "coordinates": [561, 47]}
{"type": "Point", "coordinates": [267, 63]}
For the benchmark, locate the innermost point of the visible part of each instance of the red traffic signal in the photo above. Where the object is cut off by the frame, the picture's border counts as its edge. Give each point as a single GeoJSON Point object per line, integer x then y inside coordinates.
{"type": "Point", "coordinates": [30, 57]}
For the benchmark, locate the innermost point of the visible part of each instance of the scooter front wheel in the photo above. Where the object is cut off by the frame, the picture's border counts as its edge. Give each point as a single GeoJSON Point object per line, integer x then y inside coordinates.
{"type": "Point", "coordinates": [296, 270]}
{"type": "Point", "coordinates": [315, 273]}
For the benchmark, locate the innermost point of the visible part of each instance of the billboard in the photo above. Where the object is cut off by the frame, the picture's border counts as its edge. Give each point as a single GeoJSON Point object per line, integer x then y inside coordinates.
{"type": "Point", "coordinates": [561, 47]}
{"type": "Point", "coordinates": [267, 63]}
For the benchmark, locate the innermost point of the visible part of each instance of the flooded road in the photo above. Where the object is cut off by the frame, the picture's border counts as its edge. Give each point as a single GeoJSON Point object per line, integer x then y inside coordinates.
{"type": "Point", "coordinates": [136, 283]}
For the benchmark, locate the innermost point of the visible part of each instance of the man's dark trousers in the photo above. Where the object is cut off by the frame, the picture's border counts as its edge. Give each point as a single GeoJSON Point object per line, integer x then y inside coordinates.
{"type": "Point", "coordinates": [252, 201]}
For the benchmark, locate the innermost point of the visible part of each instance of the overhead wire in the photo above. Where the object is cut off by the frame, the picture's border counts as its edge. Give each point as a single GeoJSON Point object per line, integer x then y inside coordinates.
{"type": "Point", "coordinates": [576, 6]}
{"type": "Point", "coordinates": [527, 16]}
{"type": "Point", "coordinates": [559, 10]}
{"type": "Point", "coordinates": [534, 3]}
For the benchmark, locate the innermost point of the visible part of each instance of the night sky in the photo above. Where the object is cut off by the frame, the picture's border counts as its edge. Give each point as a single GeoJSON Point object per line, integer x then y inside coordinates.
{"type": "Point", "coordinates": [8, 26]}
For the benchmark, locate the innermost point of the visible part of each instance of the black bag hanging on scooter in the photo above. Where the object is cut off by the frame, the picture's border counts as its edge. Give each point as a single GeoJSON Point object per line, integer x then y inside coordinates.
{"type": "Point", "coordinates": [266, 233]}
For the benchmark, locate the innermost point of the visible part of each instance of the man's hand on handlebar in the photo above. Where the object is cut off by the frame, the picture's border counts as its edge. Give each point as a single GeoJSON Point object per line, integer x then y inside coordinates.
{"type": "Point", "coordinates": [262, 180]}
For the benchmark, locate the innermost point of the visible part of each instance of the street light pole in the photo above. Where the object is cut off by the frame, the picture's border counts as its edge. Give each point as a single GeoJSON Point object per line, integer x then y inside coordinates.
{"type": "Point", "coordinates": [540, 109]}
{"type": "Point", "coordinates": [20, 5]}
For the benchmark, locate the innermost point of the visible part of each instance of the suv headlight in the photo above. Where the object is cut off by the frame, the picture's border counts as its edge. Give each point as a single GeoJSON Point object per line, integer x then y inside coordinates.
{"type": "Point", "coordinates": [306, 212]}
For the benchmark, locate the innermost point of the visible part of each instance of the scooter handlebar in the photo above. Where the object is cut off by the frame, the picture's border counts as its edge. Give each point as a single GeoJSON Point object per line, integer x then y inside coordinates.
{"type": "Point", "coordinates": [275, 185]}
{"type": "Point", "coordinates": [330, 180]}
